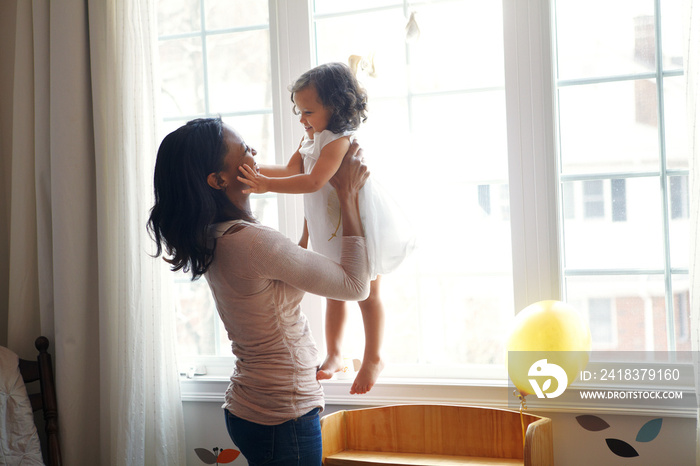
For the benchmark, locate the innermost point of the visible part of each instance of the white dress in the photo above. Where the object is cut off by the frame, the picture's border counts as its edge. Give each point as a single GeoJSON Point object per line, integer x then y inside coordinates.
{"type": "Point", "coordinates": [388, 232]}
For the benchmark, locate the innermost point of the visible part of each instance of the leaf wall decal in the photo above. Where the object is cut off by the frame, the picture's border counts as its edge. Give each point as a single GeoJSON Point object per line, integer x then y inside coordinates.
{"type": "Point", "coordinates": [592, 423]}
{"type": "Point", "coordinates": [650, 430]}
{"type": "Point", "coordinates": [227, 456]}
{"type": "Point", "coordinates": [621, 448]}
{"type": "Point", "coordinates": [205, 455]}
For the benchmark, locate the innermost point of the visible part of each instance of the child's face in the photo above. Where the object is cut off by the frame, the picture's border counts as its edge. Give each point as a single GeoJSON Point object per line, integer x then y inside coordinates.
{"type": "Point", "coordinates": [312, 114]}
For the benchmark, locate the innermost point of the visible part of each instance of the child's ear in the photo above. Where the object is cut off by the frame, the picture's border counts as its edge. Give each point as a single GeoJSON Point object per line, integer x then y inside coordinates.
{"type": "Point", "coordinates": [215, 181]}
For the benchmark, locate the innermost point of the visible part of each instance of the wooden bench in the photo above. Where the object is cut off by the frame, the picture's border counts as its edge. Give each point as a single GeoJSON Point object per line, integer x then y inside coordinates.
{"type": "Point", "coordinates": [435, 435]}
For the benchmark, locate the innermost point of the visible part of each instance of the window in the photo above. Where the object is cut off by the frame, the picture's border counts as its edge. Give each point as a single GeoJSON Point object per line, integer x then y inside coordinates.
{"type": "Point", "coordinates": [430, 113]}
{"type": "Point", "coordinates": [510, 196]}
{"type": "Point", "coordinates": [215, 59]}
{"type": "Point", "coordinates": [620, 99]}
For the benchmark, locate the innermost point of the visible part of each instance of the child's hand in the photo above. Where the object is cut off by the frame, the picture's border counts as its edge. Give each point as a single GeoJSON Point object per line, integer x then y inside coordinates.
{"type": "Point", "coordinates": [257, 183]}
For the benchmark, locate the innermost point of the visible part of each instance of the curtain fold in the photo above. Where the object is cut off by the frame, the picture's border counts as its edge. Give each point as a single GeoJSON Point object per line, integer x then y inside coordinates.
{"type": "Point", "coordinates": [23, 279]}
{"type": "Point", "coordinates": [73, 231]}
{"type": "Point", "coordinates": [691, 60]}
{"type": "Point", "coordinates": [145, 429]}
{"type": "Point", "coordinates": [83, 149]}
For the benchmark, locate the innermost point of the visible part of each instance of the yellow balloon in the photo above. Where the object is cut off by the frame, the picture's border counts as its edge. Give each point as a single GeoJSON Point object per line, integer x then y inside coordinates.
{"type": "Point", "coordinates": [544, 335]}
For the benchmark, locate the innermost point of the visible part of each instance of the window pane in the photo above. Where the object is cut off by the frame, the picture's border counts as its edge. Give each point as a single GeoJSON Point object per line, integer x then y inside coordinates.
{"type": "Point", "coordinates": [322, 7]}
{"type": "Point", "coordinates": [603, 38]}
{"type": "Point", "coordinates": [239, 71]}
{"type": "Point", "coordinates": [182, 77]}
{"type": "Point", "coordinates": [178, 17]}
{"type": "Point", "coordinates": [676, 128]}
{"type": "Point", "coordinates": [637, 315]}
{"type": "Point", "coordinates": [389, 116]}
{"type": "Point", "coordinates": [449, 318]}
{"type": "Point", "coordinates": [226, 14]}
{"type": "Point", "coordinates": [672, 34]}
{"type": "Point", "coordinates": [198, 329]}
{"type": "Point", "coordinates": [480, 152]}
{"type": "Point", "coordinates": [609, 127]}
{"type": "Point", "coordinates": [679, 228]}
{"type": "Point", "coordinates": [602, 243]}
{"type": "Point", "coordinates": [380, 42]}
{"type": "Point", "coordinates": [258, 132]}
{"type": "Point", "coordinates": [434, 66]}
{"type": "Point", "coordinates": [681, 316]}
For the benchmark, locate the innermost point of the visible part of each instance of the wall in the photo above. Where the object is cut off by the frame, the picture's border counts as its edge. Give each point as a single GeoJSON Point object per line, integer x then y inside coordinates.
{"type": "Point", "coordinates": [576, 446]}
{"type": "Point", "coordinates": [573, 444]}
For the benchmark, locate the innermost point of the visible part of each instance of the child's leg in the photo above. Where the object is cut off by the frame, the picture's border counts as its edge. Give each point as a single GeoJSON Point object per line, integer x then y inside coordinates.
{"type": "Point", "coordinates": [336, 314]}
{"type": "Point", "coordinates": [373, 321]}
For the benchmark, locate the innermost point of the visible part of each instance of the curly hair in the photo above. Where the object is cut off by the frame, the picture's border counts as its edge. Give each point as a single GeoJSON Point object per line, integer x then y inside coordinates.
{"type": "Point", "coordinates": [339, 91]}
{"type": "Point", "coordinates": [185, 205]}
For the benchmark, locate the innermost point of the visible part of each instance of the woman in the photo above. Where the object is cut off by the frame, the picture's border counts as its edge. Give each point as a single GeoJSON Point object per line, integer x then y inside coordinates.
{"type": "Point", "coordinates": [202, 220]}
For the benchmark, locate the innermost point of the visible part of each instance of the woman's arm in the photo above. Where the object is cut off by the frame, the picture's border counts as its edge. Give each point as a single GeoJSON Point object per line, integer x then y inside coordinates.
{"type": "Point", "coordinates": [276, 257]}
{"type": "Point", "coordinates": [312, 272]}
{"type": "Point", "coordinates": [327, 164]}
{"type": "Point", "coordinates": [349, 178]}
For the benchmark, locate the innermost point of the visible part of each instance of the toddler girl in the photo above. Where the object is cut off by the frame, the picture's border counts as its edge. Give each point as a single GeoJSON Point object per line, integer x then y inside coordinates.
{"type": "Point", "coordinates": [331, 105]}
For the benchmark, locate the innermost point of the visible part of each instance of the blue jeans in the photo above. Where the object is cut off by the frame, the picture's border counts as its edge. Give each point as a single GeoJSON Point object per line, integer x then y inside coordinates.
{"type": "Point", "coordinates": [293, 443]}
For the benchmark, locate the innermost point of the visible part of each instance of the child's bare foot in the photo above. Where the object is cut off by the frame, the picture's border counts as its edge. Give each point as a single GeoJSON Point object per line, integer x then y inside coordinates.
{"type": "Point", "coordinates": [367, 376]}
{"type": "Point", "coordinates": [332, 364]}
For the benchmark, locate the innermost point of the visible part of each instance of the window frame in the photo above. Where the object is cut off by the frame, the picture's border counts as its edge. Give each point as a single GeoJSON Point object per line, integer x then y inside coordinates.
{"type": "Point", "coordinates": [535, 214]}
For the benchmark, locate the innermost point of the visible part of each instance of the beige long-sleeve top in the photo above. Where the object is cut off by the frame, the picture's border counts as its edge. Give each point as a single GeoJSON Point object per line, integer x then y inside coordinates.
{"type": "Point", "coordinates": [258, 278]}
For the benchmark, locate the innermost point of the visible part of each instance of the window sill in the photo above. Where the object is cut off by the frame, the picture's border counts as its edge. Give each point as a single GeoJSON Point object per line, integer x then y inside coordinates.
{"type": "Point", "coordinates": [489, 393]}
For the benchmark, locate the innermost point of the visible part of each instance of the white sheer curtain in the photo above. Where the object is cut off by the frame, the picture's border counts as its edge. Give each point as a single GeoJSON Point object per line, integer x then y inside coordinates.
{"type": "Point", "coordinates": [691, 60]}
{"type": "Point", "coordinates": [83, 142]}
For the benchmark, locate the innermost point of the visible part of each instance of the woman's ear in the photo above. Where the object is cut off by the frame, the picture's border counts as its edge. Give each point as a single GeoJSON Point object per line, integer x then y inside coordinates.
{"type": "Point", "coordinates": [215, 181]}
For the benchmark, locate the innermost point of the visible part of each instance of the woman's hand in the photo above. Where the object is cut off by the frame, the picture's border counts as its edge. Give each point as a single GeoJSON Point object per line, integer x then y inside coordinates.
{"type": "Point", "coordinates": [347, 181]}
{"type": "Point", "coordinates": [352, 173]}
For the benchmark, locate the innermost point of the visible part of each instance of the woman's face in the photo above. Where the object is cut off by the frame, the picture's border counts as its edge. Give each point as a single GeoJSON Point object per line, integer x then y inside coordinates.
{"type": "Point", "coordinates": [312, 114]}
{"type": "Point", "coordinates": [237, 154]}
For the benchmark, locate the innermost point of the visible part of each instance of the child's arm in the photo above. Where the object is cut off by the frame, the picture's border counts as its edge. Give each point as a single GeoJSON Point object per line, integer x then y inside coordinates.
{"type": "Point", "coordinates": [295, 166]}
{"type": "Point", "coordinates": [327, 164]}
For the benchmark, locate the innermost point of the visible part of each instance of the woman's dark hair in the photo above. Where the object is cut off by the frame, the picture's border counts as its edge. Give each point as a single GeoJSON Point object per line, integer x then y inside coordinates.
{"type": "Point", "coordinates": [185, 205]}
{"type": "Point", "coordinates": [338, 90]}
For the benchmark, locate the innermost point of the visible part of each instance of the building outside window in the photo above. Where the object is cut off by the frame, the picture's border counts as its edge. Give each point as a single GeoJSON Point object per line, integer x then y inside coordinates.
{"type": "Point", "coordinates": [618, 191]}
{"type": "Point", "coordinates": [593, 199]}
{"type": "Point", "coordinates": [600, 316]}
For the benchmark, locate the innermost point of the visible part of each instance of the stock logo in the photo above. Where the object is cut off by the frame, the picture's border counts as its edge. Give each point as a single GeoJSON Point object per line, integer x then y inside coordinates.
{"type": "Point", "coordinates": [552, 371]}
